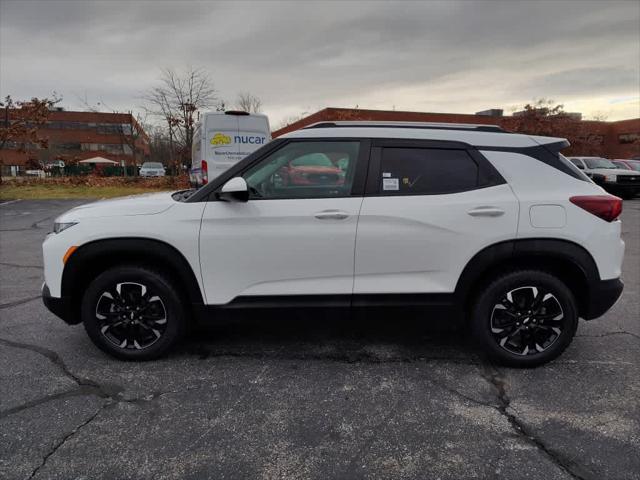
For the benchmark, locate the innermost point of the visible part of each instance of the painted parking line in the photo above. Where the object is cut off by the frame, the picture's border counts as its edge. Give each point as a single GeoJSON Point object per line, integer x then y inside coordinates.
{"type": "Point", "coordinates": [10, 201]}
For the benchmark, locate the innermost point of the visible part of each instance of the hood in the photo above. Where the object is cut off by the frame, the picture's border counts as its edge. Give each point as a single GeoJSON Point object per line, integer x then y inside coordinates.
{"type": "Point", "coordinates": [145, 204]}
{"type": "Point", "coordinates": [315, 169]}
{"type": "Point", "coordinates": [611, 171]}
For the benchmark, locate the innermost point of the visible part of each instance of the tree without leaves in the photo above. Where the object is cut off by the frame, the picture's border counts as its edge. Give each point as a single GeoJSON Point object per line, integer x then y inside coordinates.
{"type": "Point", "coordinates": [176, 100]}
{"type": "Point", "coordinates": [159, 144]}
{"type": "Point", "coordinates": [131, 137]}
{"type": "Point", "coordinates": [247, 102]}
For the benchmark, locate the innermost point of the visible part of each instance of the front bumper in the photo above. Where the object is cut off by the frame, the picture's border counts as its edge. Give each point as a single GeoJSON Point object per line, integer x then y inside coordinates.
{"type": "Point", "coordinates": [624, 188]}
{"type": "Point", "coordinates": [60, 307]}
{"type": "Point", "coordinates": [602, 296]}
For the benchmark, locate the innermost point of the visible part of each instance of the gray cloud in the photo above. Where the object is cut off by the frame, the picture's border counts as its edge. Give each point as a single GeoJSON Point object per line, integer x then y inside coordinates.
{"type": "Point", "coordinates": [463, 55]}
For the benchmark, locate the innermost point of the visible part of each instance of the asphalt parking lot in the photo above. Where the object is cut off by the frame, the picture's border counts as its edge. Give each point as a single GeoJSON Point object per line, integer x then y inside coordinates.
{"type": "Point", "coordinates": [298, 397]}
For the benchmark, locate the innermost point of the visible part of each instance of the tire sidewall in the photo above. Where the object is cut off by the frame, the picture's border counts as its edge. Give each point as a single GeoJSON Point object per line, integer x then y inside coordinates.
{"type": "Point", "coordinates": [160, 285]}
{"type": "Point", "coordinates": [497, 289]}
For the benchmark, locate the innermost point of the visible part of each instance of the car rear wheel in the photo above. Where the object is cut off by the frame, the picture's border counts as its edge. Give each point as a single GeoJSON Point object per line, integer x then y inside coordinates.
{"type": "Point", "coordinates": [525, 318]}
{"type": "Point", "coordinates": [133, 313]}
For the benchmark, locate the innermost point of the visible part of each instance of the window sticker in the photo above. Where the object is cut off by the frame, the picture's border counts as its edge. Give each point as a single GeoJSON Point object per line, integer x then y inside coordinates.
{"type": "Point", "coordinates": [390, 184]}
{"type": "Point", "coordinates": [386, 174]}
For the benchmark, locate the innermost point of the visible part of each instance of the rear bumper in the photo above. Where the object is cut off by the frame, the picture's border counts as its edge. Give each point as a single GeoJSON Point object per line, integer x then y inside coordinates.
{"type": "Point", "coordinates": [603, 295]}
{"type": "Point", "coordinates": [60, 307]}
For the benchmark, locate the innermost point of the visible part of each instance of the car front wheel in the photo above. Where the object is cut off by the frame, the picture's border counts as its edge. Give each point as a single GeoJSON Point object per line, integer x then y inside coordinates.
{"type": "Point", "coordinates": [133, 313]}
{"type": "Point", "coordinates": [525, 318]}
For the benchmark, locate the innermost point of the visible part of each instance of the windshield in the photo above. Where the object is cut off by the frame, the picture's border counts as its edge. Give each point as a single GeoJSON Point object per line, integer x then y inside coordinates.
{"type": "Point", "coordinates": [595, 162]}
{"type": "Point", "coordinates": [635, 165]}
{"type": "Point", "coordinates": [151, 165]}
{"type": "Point", "coordinates": [621, 165]}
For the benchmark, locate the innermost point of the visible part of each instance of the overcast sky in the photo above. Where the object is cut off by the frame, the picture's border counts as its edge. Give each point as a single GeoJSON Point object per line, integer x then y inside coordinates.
{"type": "Point", "coordinates": [453, 56]}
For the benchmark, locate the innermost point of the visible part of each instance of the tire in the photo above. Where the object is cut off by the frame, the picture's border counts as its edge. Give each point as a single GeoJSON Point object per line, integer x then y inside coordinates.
{"type": "Point", "coordinates": [532, 339]}
{"type": "Point", "coordinates": [133, 313]}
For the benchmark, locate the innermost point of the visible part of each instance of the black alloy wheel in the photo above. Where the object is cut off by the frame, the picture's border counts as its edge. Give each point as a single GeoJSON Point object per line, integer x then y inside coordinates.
{"type": "Point", "coordinates": [133, 313]}
{"type": "Point", "coordinates": [130, 315]}
{"type": "Point", "coordinates": [525, 318]}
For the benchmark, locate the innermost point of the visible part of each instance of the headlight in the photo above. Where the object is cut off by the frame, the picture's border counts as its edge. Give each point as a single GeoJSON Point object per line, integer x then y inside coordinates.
{"type": "Point", "coordinates": [610, 178]}
{"type": "Point", "coordinates": [59, 227]}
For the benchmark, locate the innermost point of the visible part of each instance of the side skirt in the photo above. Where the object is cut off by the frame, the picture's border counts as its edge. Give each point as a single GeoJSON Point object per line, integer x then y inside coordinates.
{"type": "Point", "coordinates": [425, 305]}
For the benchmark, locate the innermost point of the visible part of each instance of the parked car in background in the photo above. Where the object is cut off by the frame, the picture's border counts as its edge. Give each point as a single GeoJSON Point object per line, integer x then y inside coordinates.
{"type": "Point", "coordinates": [55, 164]}
{"type": "Point", "coordinates": [607, 174]}
{"type": "Point", "coordinates": [464, 222]}
{"type": "Point", "coordinates": [627, 164]}
{"type": "Point", "coordinates": [312, 169]}
{"type": "Point", "coordinates": [222, 139]}
{"type": "Point", "coordinates": [152, 169]}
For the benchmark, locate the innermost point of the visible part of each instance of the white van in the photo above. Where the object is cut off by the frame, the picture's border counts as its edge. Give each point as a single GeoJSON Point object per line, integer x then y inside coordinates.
{"type": "Point", "coordinates": [222, 139]}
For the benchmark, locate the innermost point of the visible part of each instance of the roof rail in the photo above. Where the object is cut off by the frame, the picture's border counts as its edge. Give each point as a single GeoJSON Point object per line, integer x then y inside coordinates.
{"type": "Point", "coordinates": [419, 125]}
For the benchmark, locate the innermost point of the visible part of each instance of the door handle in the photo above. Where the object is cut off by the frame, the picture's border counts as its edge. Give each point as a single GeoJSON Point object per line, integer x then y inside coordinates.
{"type": "Point", "coordinates": [486, 211]}
{"type": "Point", "coordinates": [331, 215]}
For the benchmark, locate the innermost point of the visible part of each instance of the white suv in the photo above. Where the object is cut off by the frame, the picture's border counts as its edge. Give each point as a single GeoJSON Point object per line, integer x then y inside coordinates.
{"type": "Point", "coordinates": [496, 228]}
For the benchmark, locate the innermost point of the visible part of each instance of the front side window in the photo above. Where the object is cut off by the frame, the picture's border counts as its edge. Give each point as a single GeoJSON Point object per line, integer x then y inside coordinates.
{"type": "Point", "coordinates": [426, 171]}
{"type": "Point", "coordinates": [305, 170]}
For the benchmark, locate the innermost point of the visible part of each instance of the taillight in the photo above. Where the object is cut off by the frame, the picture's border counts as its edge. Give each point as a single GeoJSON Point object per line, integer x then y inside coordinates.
{"type": "Point", "coordinates": [205, 172]}
{"type": "Point", "coordinates": [606, 207]}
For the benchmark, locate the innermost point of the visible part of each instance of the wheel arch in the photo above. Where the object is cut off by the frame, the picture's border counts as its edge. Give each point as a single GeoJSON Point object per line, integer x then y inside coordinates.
{"type": "Point", "coordinates": [567, 260]}
{"type": "Point", "coordinates": [92, 258]}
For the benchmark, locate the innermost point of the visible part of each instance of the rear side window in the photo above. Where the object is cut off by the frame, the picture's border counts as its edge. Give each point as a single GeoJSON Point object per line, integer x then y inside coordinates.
{"type": "Point", "coordinates": [426, 171]}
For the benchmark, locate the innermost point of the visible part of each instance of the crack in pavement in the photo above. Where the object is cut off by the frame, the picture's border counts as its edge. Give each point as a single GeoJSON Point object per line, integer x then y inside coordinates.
{"type": "Point", "coordinates": [19, 302]}
{"type": "Point", "coordinates": [64, 439]}
{"type": "Point", "coordinates": [492, 376]}
{"type": "Point", "coordinates": [104, 391]}
{"type": "Point", "coordinates": [111, 394]}
{"type": "Point", "coordinates": [75, 392]}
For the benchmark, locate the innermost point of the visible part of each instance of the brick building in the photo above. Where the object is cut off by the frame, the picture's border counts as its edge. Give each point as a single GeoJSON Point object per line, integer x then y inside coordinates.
{"type": "Point", "coordinates": [74, 136]}
{"type": "Point", "coordinates": [620, 139]}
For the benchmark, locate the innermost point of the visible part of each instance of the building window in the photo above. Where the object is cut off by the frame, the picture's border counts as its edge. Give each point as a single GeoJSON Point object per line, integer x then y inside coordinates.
{"type": "Point", "coordinates": [114, 148]}
{"type": "Point", "coordinates": [629, 137]}
{"type": "Point", "coordinates": [68, 146]}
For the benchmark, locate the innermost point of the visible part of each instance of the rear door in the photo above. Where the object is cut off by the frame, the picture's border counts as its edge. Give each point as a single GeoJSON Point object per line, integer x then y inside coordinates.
{"type": "Point", "coordinates": [428, 209]}
{"type": "Point", "coordinates": [221, 150]}
{"type": "Point", "coordinates": [253, 133]}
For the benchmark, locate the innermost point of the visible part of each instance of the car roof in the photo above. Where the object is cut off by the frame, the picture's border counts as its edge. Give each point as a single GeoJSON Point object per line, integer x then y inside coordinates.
{"type": "Point", "coordinates": [473, 134]}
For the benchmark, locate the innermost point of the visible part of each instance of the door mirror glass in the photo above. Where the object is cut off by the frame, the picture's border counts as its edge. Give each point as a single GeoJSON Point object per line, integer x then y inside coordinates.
{"type": "Point", "coordinates": [235, 190]}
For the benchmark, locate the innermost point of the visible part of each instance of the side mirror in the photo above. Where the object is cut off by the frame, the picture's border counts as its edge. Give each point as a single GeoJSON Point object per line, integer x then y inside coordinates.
{"type": "Point", "coordinates": [581, 167]}
{"type": "Point", "coordinates": [235, 190]}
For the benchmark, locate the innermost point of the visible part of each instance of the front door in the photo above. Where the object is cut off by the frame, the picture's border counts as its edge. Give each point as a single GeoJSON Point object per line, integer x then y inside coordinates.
{"type": "Point", "coordinates": [296, 234]}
